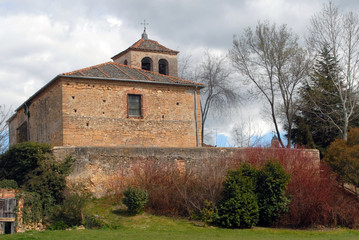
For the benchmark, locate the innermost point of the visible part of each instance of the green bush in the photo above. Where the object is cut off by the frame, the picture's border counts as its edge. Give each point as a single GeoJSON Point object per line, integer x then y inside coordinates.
{"type": "Point", "coordinates": [8, 184]}
{"type": "Point", "coordinates": [95, 222]}
{"type": "Point", "coordinates": [49, 179]}
{"type": "Point", "coordinates": [32, 210]}
{"type": "Point", "coordinates": [59, 225]}
{"type": "Point", "coordinates": [135, 199]}
{"type": "Point", "coordinates": [271, 184]}
{"type": "Point", "coordinates": [208, 214]}
{"type": "Point", "coordinates": [238, 208]}
{"type": "Point", "coordinates": [70, 211]}
{"type": "Point", "coordinates": [33, 166]}
{"type": "Point", "coordinates": [21, 159]}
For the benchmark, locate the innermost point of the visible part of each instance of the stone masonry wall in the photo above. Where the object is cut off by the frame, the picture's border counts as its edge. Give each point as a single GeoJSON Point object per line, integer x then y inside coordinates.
{"type": "Point", "coordinates": [45, 118]}
{"type": "Point", "coordinates": [95, 167]}
{"type": "Point", "coordinates": [95, 114]}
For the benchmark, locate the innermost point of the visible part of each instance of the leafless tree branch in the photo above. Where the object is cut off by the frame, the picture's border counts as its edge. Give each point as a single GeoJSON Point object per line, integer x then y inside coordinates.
{"type": "Point", "coordinates": [270, 59]}
{"type": "Point", "coordinates": [4, 131]}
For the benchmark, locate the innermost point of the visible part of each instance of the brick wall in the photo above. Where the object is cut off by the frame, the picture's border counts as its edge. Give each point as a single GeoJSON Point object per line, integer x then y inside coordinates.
{"type": "Point", "coordinates": [95, 114]}
{"type": "Point", "coordinates": [5, 193]}
{"type": "Point", "coordinates": [80, 112]}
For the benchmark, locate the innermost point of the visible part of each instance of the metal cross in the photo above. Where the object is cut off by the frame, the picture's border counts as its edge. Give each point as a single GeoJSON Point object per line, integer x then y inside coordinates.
{"type": "Point", "coordinates": [144, 24]}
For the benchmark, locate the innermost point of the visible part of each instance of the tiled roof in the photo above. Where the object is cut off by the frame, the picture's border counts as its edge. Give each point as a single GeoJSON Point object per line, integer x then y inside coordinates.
{"type": "Point", "coordinates": [147, 45]}
{"type": "Point", "coordinates": [116, 71]}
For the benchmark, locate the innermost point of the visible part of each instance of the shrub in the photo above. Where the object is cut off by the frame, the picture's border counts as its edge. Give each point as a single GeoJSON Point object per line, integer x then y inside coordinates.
{"type": "Point", "coordinates": [21, 159]}
{"type": "Point", "coordinates": [316, 198]}
{"type": "Point", "coordinates": [33, 166]}
{"type": "Point", "coordinates": [179, 188]}
{"type": "Point", "coordinates": [271, 183]}
{"type": "Point", "coordinates": [49, 178]}
{"type": "Point", "coordinates": [8, 184]}
{"type": "Point", "coordinates": [59, 225]}
{"type": "Point", "coordinates": [238, 208]}
{"type": "Point", "coordinates": [70, 211]}
{"type": "Point", "coordinates": [32, 210]}
{"type": "Point", "coordinates": [135, 199]}
{"type": "Point", "coordinates": [94, 222]}
{"type": "Point", "coordinates": [208, 214]}
{"type": "Point", "coordinates": [343, 157]}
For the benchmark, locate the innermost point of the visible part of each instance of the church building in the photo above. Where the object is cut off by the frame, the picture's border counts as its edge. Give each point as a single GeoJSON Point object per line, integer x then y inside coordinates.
{"type": "Point", "coordinates": [135, 100]}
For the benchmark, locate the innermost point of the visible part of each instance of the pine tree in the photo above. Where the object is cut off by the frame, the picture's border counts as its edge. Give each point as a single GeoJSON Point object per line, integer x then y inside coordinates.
{"type": "Point", "coordinates": [319, 101]}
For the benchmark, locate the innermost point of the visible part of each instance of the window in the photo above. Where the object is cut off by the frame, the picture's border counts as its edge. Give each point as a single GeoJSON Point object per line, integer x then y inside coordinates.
{"type": "Point", "coordinates": [146, 63]}
{"type": "Point", "coordinates": [125, 62]}
{"type": "Point", "coordinates": [21, 133]}
{"type": "Point", "coordinates": [134, 105]}
{"type": "Point", "coordinates": [163, 66]}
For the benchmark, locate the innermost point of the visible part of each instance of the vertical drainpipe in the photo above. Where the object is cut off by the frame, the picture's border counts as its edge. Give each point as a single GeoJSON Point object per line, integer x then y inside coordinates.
{"type": "Point", "coordinates": [196, 115]}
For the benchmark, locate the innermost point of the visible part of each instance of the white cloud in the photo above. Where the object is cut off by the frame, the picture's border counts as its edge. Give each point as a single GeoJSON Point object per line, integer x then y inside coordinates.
{"type": "Point", "coordinates": [36, 48]}
{"type": "Point", "coordinates": [114, 21]}
{"type": "Point", "coordinates": [40, 39]}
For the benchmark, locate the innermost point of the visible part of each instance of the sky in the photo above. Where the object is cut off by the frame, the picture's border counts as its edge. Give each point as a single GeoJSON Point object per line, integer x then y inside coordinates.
{"type": "Point", "coordinates": [40, 39]}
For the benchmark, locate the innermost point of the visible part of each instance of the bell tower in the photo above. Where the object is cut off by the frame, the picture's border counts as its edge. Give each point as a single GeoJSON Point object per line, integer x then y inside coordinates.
{"type": "Point", "coordinates": [149, 55]}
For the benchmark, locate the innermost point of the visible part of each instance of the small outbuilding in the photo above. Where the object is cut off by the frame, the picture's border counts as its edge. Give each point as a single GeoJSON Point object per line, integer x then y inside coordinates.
{"type": "Point", "coordinates": [7, 211]}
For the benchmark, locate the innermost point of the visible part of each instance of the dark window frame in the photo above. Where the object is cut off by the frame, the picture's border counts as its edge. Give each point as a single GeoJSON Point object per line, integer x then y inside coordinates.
{"type": "Point", "coordinates": [134, 107]}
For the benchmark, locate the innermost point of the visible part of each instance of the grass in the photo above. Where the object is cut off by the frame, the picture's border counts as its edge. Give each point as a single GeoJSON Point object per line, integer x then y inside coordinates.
{"type": "Point", "coordinates": [148, 227]}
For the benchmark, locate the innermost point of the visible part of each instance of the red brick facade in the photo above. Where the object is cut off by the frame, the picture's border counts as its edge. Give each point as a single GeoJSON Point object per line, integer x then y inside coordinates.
{"type": "Point", "coordinates": [79, 112]}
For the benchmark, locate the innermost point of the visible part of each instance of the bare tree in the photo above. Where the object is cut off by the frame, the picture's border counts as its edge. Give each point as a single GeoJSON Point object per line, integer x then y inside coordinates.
{"type": "Point", "coordinates": [270, 59]}
{"type": "Point", "coordinates": [245, 134]}
{"type": "Point", "coordinates": [4, 131]}
{"type": "Point", "coordinates": [186, 70]}
{"type": "Point", "coordinates": [219, 93]}
{"type": "Point", "coordinates": [340, 33]}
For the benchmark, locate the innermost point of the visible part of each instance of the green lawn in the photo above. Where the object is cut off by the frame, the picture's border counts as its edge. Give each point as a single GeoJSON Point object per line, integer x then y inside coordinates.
{"type": "Point", "coordinates": [148, 227]}
{"type": "Point", "coordinates": [186, 231]}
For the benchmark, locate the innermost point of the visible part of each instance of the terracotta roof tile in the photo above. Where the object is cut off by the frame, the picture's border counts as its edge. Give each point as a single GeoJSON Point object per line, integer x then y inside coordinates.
{"type": "Point", "coordinates": [113, 71]}
{"type": "Point", "coordinates": [147, 45]}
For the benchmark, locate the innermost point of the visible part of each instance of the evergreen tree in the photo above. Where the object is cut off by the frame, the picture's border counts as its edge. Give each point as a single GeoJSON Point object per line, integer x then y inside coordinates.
{"type": "Point", "coordinates": [319, 102]}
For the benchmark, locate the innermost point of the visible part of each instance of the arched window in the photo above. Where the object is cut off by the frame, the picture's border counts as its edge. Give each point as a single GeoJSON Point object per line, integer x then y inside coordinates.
{"type": "Point", "coordinates": [125, 62]}
{"type": "Point", "coordinates": [163, 66]}
{"type": "Point", "coordinates": [146, 63]}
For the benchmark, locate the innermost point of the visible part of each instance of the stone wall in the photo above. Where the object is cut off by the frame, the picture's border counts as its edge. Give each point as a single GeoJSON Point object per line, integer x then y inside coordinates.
{"type": "Point", "coordinates": [45, 119]}
{"type": "Point", "coordinates": [96, 166]}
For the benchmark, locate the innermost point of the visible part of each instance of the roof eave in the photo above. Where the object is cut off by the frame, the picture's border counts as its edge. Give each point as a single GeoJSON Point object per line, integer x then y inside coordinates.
{"type": "Point", "coordinates": [136, 81]}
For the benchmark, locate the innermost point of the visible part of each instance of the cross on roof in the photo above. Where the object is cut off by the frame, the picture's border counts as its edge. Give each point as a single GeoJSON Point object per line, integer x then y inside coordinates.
{"type": "Point", "coordinates": [144, 24]}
